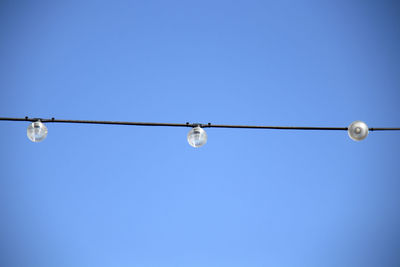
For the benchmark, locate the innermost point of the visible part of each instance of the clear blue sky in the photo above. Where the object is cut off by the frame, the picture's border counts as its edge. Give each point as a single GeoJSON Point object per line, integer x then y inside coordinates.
{"type": "Point", "coordinates": [98, 195]}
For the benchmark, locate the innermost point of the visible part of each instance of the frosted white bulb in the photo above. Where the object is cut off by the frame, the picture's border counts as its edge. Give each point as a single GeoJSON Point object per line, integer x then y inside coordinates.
{"type": "Point", "coordinates": [36, 131]}
{"type": "Point", "coordinates": [197, 137]}
{"type": "Point", "coordinates": [358, 130]}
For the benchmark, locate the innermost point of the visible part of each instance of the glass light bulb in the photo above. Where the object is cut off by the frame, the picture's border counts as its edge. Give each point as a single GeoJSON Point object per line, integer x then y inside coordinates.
{"type": "Point", "coordinates": [358, 130]}
{"type": "Point", "coordinates": [36, 131]}
{"type": "Point", "coordinates": [197, 137]}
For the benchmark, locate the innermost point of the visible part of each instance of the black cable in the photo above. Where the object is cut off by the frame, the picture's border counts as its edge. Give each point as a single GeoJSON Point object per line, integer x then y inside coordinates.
{"type": "Point", "coordinates": [208, 125]}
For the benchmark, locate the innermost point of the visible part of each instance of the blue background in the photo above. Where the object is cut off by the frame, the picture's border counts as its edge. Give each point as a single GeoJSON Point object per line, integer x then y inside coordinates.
{"type": "Point", "coordinates": [99, 195]}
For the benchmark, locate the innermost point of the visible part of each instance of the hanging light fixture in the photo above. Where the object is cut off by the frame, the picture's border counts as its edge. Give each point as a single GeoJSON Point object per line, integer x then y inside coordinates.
{"type": "Point", "coordinates": [197, 137]}
{"type": "Point", "coordinates": [358, 130]}
{"type": "Point", "coordinates": [36, 131]}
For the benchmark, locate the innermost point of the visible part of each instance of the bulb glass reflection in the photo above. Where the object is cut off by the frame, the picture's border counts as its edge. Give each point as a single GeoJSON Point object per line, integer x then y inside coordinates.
{"type": "Point", "coordinates": [36, 131]}
{"type": "Point", "coordinates": [358, 130]}
{"type": "Point", "coordinates": [197, 137]}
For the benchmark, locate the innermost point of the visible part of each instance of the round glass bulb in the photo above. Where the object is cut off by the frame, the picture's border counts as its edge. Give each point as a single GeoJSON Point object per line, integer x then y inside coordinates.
{"type": "Point", "coordinates": [197, 137]}
{"type": "Point", "coordinates": [36, 131]}
{"type": "Point", "coordinates": [358, 130]}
